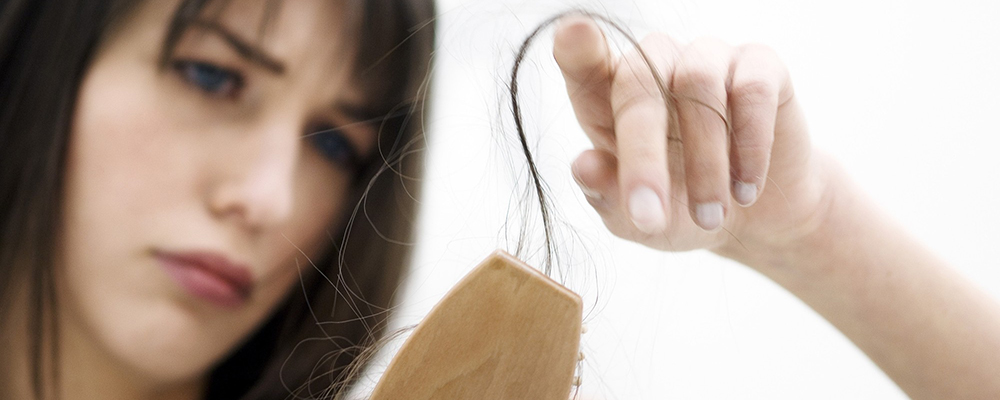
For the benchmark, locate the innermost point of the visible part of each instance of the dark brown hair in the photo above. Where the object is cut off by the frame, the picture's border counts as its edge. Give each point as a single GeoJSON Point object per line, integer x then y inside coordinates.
{"type": "Point", "coordinates": [306, 346]}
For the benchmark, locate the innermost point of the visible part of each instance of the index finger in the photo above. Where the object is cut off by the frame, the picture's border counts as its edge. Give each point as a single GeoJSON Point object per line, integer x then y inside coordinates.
{"type": "Point", "coordinates": [582, 53]}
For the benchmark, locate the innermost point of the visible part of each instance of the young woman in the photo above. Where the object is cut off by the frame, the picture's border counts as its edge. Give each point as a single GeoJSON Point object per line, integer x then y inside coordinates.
{"type": "Point", "coordinates": [178, 182]}
{"type": "Point", "coordinates": [171, 169]}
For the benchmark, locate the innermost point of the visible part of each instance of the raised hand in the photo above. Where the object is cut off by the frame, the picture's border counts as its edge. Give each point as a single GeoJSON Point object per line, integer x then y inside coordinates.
{"type": "Point", "coordinates": [688, 179]}
{"type": "Point", "coordinates": [755, 190]}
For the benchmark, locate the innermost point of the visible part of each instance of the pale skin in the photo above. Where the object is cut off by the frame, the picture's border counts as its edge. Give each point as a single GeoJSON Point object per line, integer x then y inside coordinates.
{"type": "Point", "coordinates": [766, 198]}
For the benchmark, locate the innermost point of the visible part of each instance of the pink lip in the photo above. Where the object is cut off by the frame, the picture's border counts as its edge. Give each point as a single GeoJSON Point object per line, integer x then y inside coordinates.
{"type": "Point", "coordinates": [209, 276]}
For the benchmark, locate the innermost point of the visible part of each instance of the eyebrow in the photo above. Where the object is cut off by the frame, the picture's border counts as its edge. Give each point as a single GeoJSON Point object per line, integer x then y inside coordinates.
{"type": "Point", "coordinates": [243, 47]}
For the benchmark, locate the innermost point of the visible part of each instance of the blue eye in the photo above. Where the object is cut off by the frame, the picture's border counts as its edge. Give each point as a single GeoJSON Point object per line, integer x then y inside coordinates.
{"type": "Point", "coordinates": [209, 78]}
{"type": "Point", "coordinates": [334, 146]}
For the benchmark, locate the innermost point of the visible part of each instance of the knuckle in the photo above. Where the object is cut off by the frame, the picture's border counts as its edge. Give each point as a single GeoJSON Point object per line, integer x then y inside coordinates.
{"type": "Point", "coordinates": [754, 90]}
{"type": "Point", "coordinates": [632, 75]}
{"type": "Point", "coordinates": [693, 77]}
{"type": "Point", "coordinates": [688, 77]}
{"type": "Point", "coordinates": [634, 90]}
{"type": "Point", "coordinates": [643, 69]}
{"type": "Point", "coordinates": [635, 102]}
{"type": "Point", "coordinates": [762, 58]}
{"type": "Point", "coordinates": [752, 135]}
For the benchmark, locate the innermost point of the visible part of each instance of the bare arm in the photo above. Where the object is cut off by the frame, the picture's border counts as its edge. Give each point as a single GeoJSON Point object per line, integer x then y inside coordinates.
{"type": "Point", "coordinates": [933, 332]}
{"type": "Point", "coordinates": [691, 179]}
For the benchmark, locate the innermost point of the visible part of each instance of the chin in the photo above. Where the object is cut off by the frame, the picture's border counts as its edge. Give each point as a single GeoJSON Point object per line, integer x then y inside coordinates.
{"type": "Point", "coordinates": [162, 342]}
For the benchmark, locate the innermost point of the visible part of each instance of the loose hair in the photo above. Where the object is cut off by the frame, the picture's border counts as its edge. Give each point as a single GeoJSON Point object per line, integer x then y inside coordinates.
{"type": "Point", "coordinates": [306, 346]}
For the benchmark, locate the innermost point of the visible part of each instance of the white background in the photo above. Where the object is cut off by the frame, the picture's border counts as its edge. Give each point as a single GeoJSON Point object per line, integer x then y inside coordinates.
{"type": "Point", "coordinates": [906, 94]}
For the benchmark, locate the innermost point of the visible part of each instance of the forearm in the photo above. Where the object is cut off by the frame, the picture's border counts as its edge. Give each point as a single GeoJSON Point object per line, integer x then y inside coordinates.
{"type": "Point", "coordinates": [934, 333]}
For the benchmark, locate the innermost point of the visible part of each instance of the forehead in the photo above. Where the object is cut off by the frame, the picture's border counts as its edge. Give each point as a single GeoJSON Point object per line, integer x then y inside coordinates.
{"type": "Point", "coordinates": [295, 31]}
{"type": "Point", "coordinates": [281, 25]}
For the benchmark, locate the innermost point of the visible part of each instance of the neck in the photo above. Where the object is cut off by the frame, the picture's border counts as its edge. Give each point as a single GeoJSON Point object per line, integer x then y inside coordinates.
{"type": "Point", "coordinates": [86, 370]}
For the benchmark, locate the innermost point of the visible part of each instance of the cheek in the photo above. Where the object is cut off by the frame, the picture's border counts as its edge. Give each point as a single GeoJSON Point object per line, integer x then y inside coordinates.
{"type": "Point", "coordinates": [123, 168]}
{"type": "Point", "coordinates": [120, 167]}
{"type": "Point", "coordinates": [118, 151]}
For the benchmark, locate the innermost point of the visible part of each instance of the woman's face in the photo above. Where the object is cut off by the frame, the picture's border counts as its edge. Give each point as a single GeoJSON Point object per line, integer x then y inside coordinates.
{"type": "Point", "coordinates": [193, 197]}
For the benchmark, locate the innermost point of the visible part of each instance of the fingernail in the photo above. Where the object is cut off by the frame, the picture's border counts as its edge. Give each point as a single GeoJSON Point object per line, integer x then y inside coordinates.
{"type": "Point", "coordinates": [708, 215]}
{"type": "Point", "coordinates": [646, 210]}
{"type": "Point", "coordinates": [745, 193]}
{"type": "Point", "coordinates": [587, 191]}
{"type": "Point", "coordinates": [591, 193]}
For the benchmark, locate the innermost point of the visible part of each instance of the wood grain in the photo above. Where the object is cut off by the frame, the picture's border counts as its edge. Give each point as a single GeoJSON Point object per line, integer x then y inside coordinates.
{"type": "Point", "coordinates": [505, 331]}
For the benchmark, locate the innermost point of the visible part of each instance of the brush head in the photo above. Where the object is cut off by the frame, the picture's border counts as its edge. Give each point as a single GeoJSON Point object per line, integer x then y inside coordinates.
{"type": "Point", "coordinates": [505, 331]}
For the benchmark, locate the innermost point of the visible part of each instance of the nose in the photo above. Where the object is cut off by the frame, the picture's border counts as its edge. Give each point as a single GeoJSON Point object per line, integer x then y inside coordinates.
{"type": "Point", "coordinates": [258, 188]}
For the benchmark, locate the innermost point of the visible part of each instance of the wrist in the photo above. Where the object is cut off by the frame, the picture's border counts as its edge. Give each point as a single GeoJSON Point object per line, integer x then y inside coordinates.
{"type": "Point", "coordinates": [830, 194]}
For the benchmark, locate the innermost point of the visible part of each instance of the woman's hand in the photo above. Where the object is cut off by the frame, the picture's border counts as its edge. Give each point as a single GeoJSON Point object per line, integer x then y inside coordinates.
{"type": "Point", "coordinates": [672, 181]}
{"type": "Point", "coordinates": [681, 181]}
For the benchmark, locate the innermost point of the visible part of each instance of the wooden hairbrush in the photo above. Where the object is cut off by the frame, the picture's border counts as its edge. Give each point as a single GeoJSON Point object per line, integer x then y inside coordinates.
{"type": "Point", "coordinates": [505, 331]}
